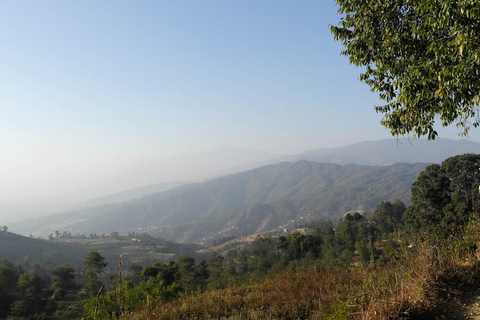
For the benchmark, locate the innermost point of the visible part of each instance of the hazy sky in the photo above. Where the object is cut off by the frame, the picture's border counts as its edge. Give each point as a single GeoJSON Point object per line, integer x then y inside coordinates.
{"type": "Point", "coordinates": [88, 87]}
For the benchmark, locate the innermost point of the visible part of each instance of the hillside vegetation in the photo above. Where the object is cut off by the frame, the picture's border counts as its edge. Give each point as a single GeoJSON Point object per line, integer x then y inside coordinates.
{"type": "Point", "coordinates": [381, 279]}
{"type": "Point", "coordinates": [387, 264]}
{"type": "Point", "coordinates": [19, 248]}
{"type": "Point", "coordinates": [272, 197]}
{"type": "Point", "coordinates": [71, 249]}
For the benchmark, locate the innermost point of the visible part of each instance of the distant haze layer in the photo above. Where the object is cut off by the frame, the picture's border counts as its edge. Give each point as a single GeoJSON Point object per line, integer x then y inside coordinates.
{"type": "Point", "coordinates": [38, 191]}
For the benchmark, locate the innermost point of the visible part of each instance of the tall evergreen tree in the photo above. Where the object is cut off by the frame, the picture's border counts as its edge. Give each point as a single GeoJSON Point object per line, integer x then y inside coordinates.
{"type": "Point", "coordinates": [95, 264]}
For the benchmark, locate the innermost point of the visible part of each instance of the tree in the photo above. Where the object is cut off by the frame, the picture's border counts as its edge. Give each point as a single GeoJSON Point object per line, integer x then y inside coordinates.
{"type": "Point", "coordinates": [168, 273]}
{"type": "Point", "coordinates": [95, 262]}
{"type": "Point", "coordinates": [388, 216]}
{"type": "Point", "coordinates": [264, 253]}
{"type": "Point", "coordinates": [64, 280]}
{"type": "Point", "coordinates": [422, 57]}
{"type": "Point", "coordinates": [297, 246]}
{"type": "Point", "coordinates": [201, 275]}
{"type": "Point", "coordinates": [186, 272]}
{"type": "Point", "coordinates": [31, 302]}
{"type": "Point", "coordinates": [443, 198]}
{"type": "Point", "coordinates": [347, 231]}
{"type": "Point", "coordinates": [365, 250]}
{"type": "Point", "coordinates": [134, 273]}
{"type": "Point", "coordinates": [215, 264]}
{"type": "Point", "coordinates": [243, 261]}
{"type": "Point", "coordinates": [9, 275]}
{"type": "Point", "coordinates": [232, 256]}
{"type": "Point", "coordinates": [95, 265]}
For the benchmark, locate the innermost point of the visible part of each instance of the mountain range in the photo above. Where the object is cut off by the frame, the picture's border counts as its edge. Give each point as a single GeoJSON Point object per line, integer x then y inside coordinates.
{"type": "Point", "coordinates": [390, 151]}
{"type": "Point", "coordinates": [273, 196]}
{"type": "Point", "coordinates": [225, 161]}
{"type": "Point", "coordinates": [262, 199]}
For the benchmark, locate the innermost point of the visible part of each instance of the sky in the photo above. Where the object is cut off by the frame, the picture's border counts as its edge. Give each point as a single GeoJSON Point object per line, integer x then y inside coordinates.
{"type": "Point", "coordinates": [90, 87]}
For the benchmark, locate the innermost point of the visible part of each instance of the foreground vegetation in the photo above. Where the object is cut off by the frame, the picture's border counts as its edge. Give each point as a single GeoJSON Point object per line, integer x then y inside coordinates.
{"type": "Point", "coordinates": [388, 264]}
{"type": "Point", "coordinates": [396, 264]}
{"type": "Point", "coordinates": [421, 285]}
{"type": "Point", "coordinates": [409, 284]}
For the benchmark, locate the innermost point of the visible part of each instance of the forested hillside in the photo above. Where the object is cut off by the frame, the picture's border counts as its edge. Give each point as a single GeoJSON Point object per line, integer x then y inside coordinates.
{"type": "Point", "coordinates": [65, 248]}
{"type": "Point", "coordinates": [266, 198]}
{"type": "Point", "coordinates": [29, 250]}
{"type": "Point", "coordinates": [372, 153]}
{"type": "Point", "coordinates": [394, 262]}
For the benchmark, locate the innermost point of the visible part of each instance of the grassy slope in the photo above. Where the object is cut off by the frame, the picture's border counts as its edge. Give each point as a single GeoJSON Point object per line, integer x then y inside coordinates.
{"type": "Point", "coordinates": [317, 293]}
{"type": "Point", "coordinates": [424, 284]}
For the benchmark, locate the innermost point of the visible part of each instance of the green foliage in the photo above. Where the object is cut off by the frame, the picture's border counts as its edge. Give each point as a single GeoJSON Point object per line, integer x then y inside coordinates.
{"type": "Point", "coordinates": [134, 273]}
{"type": "Point", "coordinates": [64, 281]}
{"type": "Point", "coordinates": [422, 57]}
{"type": "Point", "coordinates": [264, 253]}
{"type": "Point", "coordinates": [95, 264]}
{"type": "Point", "coordinates": [128, 298]}
{"type": "Point", "coordinates": [365, 250]}
{"type": "Point", "coordinates": [443, 198]}
{"type": "Point", "coordinates": [186, 273]}
{"type": "Point", "coordinates": [388, 216]}
{"type": "Point", "coordinates": [31, 286]}
{"type": "Point", "coordinates": [9, 275]}
{"type": "Point", "coordinates": [31, 298]}
{"type": "Point", "coordinates": [68, 310]}
{"type": "Point", "coordinates": [298, 246]}
{"type": "Point", "coordinates": [23, 295]}
{"type": "Point", "coordinates": [215, 265]}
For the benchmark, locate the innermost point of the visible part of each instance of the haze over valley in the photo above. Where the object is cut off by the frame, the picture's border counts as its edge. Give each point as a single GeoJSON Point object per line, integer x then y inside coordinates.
{"type": "Point", "coordinates": [275, 195]}
{"type": "Point", "coordinates": [99, 99]}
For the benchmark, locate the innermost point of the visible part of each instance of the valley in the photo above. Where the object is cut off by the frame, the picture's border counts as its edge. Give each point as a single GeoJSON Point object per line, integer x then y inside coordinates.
{"type": "Point", "coordinates": [260, 227]}
{"type": "Point", "coordinates": [269, 198]}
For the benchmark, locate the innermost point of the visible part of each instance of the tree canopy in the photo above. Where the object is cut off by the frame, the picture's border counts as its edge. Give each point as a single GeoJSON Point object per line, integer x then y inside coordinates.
{"type": "Point", "coordinates": [422, 57]}
{"type": "Point", "coordinates": [95, 264]}
{"type": "Point", "coordinates": [443, 198]}
{"type": "Point", "coordinates": [64, 280]}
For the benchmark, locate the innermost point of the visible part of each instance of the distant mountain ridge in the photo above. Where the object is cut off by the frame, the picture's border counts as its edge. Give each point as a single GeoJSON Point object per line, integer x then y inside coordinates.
{"type": "Point", "coordinates": [269, 197]}
{"type": "Point", "coordinates": [390, 151]}
{"type": "Point", "coordinates": [229, 160]}
{"type": "Point", "coordinates": [134, 193]}
{"type": "Point", "coordinates": [261, 199]}
{"type": "Point", "coordinates": [341, 190]}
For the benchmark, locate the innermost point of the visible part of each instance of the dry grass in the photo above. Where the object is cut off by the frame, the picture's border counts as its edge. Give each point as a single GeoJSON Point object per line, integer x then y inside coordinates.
{"type": "Point", "coordinates": [319, 293]}
{"type": "Point", "coordinates": [422, 283]}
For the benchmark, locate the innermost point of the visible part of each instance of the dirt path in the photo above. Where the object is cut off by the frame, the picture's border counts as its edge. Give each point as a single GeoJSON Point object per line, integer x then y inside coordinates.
{"type": "Point", "coordinates": [472, 310]}
{"type": "Point", "coordinates": [471, 305]}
